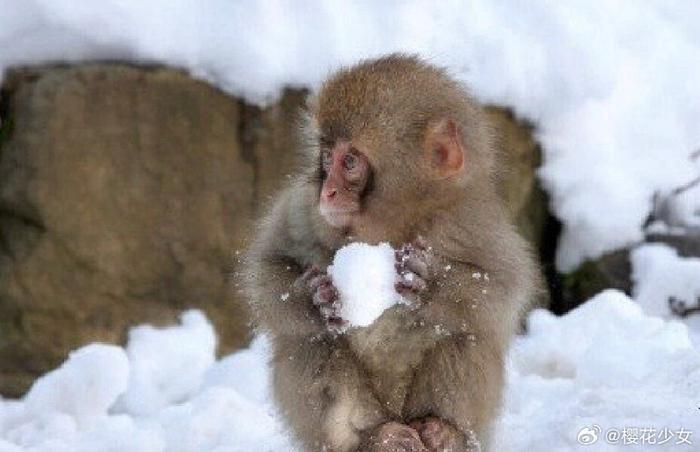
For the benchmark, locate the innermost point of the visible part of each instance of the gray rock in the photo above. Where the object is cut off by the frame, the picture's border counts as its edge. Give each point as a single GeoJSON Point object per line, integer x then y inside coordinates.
{"type": "Point", "coordinates": [125, 193]}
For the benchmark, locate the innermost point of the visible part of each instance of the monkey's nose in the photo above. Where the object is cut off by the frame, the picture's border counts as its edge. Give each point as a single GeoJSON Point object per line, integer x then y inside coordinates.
{"type": "Point", "coordinates": [330, 194]}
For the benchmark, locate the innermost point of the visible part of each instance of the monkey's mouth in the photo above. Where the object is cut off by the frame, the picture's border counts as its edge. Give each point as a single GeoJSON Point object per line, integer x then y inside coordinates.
{"type": "Point", "coordinates": [338, 218]}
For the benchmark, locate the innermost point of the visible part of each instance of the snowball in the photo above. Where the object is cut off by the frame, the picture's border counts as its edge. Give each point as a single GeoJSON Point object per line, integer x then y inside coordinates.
{"type": "Point", "coordinates": [167, 364]}
{"type": "Point", "coordinates": [365, 277]}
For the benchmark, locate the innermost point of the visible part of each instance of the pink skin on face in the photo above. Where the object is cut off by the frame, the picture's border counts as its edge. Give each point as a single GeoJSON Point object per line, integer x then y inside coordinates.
{"type": "Point", "coordinates": [346, 172]}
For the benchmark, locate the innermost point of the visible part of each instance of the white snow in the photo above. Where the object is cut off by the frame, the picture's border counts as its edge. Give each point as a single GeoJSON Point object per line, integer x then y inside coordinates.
{"type": "Point", "coordinates": [100, 371]}
{"type": "Point", "coordinates": [611, 88]}
{"type": "Point", "coordinates": [609, 85]}
{"type": "Point", "coordinates": [155, 355]}
{"type": "Point", "coordinates": [659, 274]}
{"type": "Point", "coordinates": [364, 276]}
{"type": "Point", "coordinates": [190, 402]}
{"type": "Point", "coordinates": [606, 364]}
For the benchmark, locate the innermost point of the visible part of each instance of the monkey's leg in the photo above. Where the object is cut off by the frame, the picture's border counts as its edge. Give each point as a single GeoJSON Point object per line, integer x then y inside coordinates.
{"type": "Point", "coordinates": [323, 393]}
{"type": "Point", "coordinates": [456, 393]}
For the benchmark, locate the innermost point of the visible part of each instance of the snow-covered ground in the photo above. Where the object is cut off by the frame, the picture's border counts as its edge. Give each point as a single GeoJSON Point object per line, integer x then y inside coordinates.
{"type": "Point", "coordinates": [606, 365]}
{"type": "Point", "coordinates": [616, 371]}
{"type": "Point", "coordinates": [610, 85]}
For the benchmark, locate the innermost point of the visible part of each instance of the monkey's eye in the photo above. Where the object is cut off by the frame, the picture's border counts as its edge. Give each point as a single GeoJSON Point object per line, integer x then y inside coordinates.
{"type": "Point", "coordinates": [349, 161]}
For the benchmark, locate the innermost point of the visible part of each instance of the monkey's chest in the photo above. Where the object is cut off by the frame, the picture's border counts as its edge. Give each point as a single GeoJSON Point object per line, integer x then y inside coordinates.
{"type": "Point", "coordinates": [390, 350]}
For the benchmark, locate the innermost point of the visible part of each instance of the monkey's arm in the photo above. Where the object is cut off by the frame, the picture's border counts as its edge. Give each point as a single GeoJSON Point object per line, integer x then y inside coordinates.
{"type": "Point", "coordinates": [463, 298]}
{"type": "Point", "coordinates": [460, 379]}
{"type": "Point", "coordinates": [280, 301]}
{"type": "Point", "coordinates": [460, 382]}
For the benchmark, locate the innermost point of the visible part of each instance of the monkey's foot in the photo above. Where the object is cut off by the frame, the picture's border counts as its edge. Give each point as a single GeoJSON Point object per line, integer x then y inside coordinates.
{"type": "Point", "coordinates": [437, 435]}
{"type": "Point", "coordinates": [395, 437]}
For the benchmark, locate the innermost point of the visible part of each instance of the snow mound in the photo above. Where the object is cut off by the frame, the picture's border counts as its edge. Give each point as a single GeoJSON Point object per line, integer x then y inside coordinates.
{"type": "Point", "coordinates": [189, 402]}
{"type": "Point", "coordinates": [607, 365]}
{"type": "Point", "coordinates": [661, 276]}
{"type": "Point", "coordinates": [85, 386]}
{"type": "Point", "coordinates": [365, 277]}
{"type": "Point", "coordinates": [155, 355]}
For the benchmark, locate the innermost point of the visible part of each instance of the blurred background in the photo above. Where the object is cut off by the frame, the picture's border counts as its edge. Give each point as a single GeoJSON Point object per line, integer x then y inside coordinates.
{"type": "Point", "coordinates": [139, 140]}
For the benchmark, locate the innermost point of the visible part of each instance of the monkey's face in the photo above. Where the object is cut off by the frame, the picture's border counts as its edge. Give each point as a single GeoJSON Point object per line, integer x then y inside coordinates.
{"type": "Point", "coordinates": [346, 175]}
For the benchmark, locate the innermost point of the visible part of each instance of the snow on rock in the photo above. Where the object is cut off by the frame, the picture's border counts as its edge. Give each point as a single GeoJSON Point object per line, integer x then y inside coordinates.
{"type": "Point", "coordinates": [605, 364]}
{"type": "Point", "coordinates": [157, 355]}
{"type": "Point", "coordinates": [365, 277]}
{"type": "Point", "coordinates": [607, 84]}
{"type": "Point", "coordinates": [661, 277]}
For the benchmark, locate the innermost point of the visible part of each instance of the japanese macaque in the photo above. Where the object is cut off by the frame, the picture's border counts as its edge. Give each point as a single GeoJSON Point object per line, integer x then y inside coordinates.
{"type": "Point", "coordinates": [395, 151]}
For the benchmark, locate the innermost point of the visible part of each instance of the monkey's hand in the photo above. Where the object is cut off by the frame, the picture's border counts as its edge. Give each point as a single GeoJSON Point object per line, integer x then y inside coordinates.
{"type": "Point", "coordinates": [324, 295]}
{"type": "Point", "coordinates": [413, 264]}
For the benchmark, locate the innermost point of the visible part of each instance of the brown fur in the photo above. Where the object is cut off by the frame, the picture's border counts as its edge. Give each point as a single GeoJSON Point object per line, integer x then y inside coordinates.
{"type": "Point", "coordinates": [444, 359]}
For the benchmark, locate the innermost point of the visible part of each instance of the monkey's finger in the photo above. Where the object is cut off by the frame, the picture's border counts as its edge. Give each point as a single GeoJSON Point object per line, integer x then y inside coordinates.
{"type": "Point", "coordinates": [320, 281]}
{"type": "Point", "coordinates": [411, 282]}
{"type": "Point", "coordinates": [327, 311]}
{"type": "Point", "coordinates": [336, 321]}
{"type": "Point", "coordinates": [410, 296]}
{"type": "Point", "coordinates": [312, 271]}
{"type": "Point", "coordinates": [336, 325]}
{"type": "Point", "coordinates": [325, 295]}
{"type": "Point", "coordinates": [309, 274]}
{"type": "Point", "coordinates": [401, 254]}
{"type": "Point", "coordinates": [417, 266]}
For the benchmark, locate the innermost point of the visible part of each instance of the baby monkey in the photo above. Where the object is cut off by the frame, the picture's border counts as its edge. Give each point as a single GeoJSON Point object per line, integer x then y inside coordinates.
{"type": "Point", "coordinates": [395, 151]}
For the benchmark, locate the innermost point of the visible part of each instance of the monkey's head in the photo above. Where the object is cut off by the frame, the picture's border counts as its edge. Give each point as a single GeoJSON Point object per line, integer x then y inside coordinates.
{"type": "Point", "coordinates": [393, 140]}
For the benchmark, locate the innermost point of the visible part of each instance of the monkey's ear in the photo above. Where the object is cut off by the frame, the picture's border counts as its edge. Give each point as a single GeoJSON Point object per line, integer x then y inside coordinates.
{"type": "Point", "coordinates": [443, 143]}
